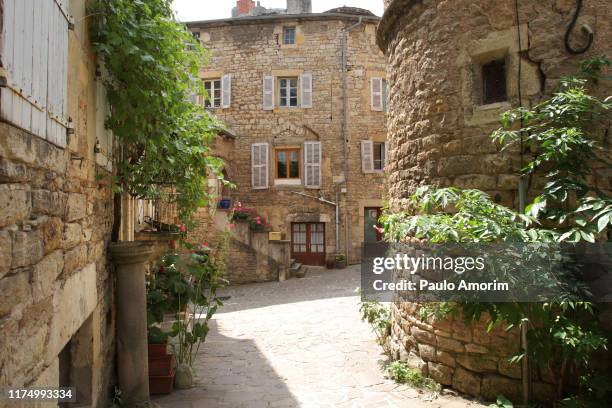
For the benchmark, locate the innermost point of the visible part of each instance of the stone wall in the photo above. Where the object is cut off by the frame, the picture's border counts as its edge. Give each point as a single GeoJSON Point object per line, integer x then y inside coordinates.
{"type": "Point", "coordinates": [249, 49]}
{"type": "Point", "coordinates": [439, 134]}
{"type": "Point", "coordinates": [55, 221]}
{"type": "Point", "coordinates": [253, 257]}
{"type": "Point", "coordinates": [464, 357]}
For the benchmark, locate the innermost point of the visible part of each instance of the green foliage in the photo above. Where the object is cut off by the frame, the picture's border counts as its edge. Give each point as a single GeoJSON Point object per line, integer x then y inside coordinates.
{"type": "Point", "coordinates": [462, 216]}
{"type": "Point", "coordinates": [378, 316]}
{"type": "Point", "coordinates": [186, 286]}
{"type": "Point", "coordinates": [563, 133]}
{"type": "Point", "coordinates": [502, 402]}
{"type": "Point", "coordinates": [150, 67]}
{"type": "Point", "coordinates": [401, 373]}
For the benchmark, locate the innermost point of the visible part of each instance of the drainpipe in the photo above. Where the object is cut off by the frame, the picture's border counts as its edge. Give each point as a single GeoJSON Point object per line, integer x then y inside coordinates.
{"type": "Point", "coordinates": [345, 114]}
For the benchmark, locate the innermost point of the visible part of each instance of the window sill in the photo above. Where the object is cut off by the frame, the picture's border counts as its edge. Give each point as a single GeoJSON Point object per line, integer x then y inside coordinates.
{"type": "Point", "coordinates": [288, 182]}
{"type": "Point", "coordinates": [493, 106]}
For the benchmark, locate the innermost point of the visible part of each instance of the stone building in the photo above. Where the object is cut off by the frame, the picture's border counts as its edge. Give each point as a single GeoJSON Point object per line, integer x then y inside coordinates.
{"type": "Point", "coordinates": [453, 68]}
{"type": "Point", "coordinates": [305, 97]}
{"type": "Point", "coordinates": [56, 292]}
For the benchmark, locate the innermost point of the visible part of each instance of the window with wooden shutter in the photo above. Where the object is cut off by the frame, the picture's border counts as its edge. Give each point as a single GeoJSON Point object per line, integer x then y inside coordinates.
{"type": "Point", "coordinates": [377, 94]}
{"type": "Point", "coordinates": [35, 96]}
{"type": "Point", "coordinates": [226, 91]}
{"type": "Point", "coordinates": [268, 92]}
{"type": "Point", "coordinates": [313, 155]}
{"type": "Point", "coordinates": [259, 165]}
{"type": "Point", "coordinates": [306, 87]}
{"type": "Point", "coordinates": [367, 156]}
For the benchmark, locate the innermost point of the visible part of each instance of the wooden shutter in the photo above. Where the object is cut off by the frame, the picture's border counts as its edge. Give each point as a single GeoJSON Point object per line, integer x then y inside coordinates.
{"type": "Point", "coordinates": [259, 166]}
{"type": "Point", "coordinates": [226, 91]}
{"type": "Point", "coordinates": [377, 94]}
{"type": "Point", "coordinates": [312, 164]}
{"type": "Point", "coordinates": [35, 97]}
{"type": "Point", "coordinates": [386, 158]}
{"type": "Point", "coordinates": [367, 156]}
{"type": "Point", "coordinates": [306, 86]}
{"type": "Point", "coordinates": [268, 92]}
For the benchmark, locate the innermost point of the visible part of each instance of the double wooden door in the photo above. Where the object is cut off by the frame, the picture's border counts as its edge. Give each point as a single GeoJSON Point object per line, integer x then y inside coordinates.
{"type": "Point", "coordinates": [308, 243]}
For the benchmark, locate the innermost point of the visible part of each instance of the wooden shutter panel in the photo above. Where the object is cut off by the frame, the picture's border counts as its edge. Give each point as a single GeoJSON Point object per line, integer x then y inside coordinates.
{"type": "Point", "coordinates": [386, 158]}
{"type": "Point", "coordinates": [313, 155]}
{"type": "Point", "coordinates": [226, 91]}
{"type": "Point", "coordinates": [259, 166]}
{"type": "Point", "coordinates": [377, 94]}
{"type": "Point", "coordinates": [268, 92]}
{"type": "Point", "coordinates": [30, 101]}
{"type": "Point", "coordinates": [306, 86]}
{"type": "Point", "coordinates": [367, 156]}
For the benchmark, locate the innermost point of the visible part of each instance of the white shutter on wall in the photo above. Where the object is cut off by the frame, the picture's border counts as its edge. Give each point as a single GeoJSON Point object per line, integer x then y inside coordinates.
{"type": "Point", "coordinates": [226, 91]}
{"type": "Point", "coordinates": [306, 86]}
{"type": "Point", "coordinates": [386, 158]}
{"type": "Point", "coordinates": [259, 166]}
{"type": "Point", "coordinates": [268, 92]}
{"type": "Point", "coordinates": [367, 156]}
{"type": "Point", "coordinates": [313, 155]}
{"type": "Point", "coordinates": [35, 97]}
{"type": "Point", "coordinates": [377, 94]}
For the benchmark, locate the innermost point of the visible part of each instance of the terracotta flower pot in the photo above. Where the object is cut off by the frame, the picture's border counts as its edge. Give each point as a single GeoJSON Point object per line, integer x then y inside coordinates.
{"type": "Point", "coordinates": [158, 350]}
{"type": "Point", "coordinates": [161, 366]}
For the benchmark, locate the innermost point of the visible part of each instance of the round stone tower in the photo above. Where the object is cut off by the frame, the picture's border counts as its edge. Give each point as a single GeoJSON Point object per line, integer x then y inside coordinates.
{"type": "Point", "coordinates": [452, 68]}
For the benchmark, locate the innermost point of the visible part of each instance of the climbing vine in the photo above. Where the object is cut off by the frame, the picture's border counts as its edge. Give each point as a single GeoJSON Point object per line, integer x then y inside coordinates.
{"type": "Point", "coordinates": [149, 64]}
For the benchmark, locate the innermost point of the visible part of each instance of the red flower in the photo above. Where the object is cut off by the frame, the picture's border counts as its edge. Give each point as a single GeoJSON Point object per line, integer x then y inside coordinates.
{"type": "Point", "coordinates": [182, 228]}
{"type": "Point", "coordinates": [162, 269]}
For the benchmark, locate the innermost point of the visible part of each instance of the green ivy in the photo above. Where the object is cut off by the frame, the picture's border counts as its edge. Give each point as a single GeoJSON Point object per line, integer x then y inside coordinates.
{"type": "Point", "coordinates": [564, 134]}
{"type": "Point", "coordinates": [149, 64]}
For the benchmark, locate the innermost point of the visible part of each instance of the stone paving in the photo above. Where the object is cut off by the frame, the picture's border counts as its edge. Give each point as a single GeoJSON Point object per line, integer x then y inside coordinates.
{"type": "Point", "coordinates": [298, 343]}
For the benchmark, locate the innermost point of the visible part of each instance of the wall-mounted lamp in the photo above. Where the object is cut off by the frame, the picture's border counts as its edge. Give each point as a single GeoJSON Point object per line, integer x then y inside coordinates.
{"type": "Point", "coordinates": [97, 147]}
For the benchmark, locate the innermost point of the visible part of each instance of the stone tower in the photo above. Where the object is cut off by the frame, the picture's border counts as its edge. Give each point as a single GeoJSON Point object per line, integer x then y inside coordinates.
{"type": "Point", "coordinates": [452, 68]}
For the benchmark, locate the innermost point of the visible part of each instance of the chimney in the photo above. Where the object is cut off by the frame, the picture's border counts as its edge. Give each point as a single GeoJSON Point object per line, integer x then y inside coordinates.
{"type": "Point", "coordinates": [244, 7]}
{"type": "Point", "coordinates": [299, 6]}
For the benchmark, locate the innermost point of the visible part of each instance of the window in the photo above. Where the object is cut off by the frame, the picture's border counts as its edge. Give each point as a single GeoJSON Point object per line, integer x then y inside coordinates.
{"type": "Point", "coordinates": [494, 82]}
{"type": "Point", "coordinates": [289, 35]}
{"type": "Point", "coordinates": [379, 156]}
{"type": "Point", "coordinates": [213, 88]}
{"type": "Point", "coordinates": [288, 163]}
{"type": "Point", "coordinates": [373, 156]}
{"type": "Point", "coordinates": [288, 92]}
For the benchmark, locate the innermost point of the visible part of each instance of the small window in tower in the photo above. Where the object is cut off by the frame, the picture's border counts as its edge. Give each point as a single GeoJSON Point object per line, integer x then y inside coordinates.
{"type": "Point", "coordinates": [494, 82]}
{"type": "Point", "coordinates": [289, 35]}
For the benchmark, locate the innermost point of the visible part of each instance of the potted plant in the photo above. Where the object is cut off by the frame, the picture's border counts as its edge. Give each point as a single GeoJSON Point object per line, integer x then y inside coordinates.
{"type": "Point", "coordinates": [340, 261]}
{"type": "Point", "coordinates": [161, 299]}
{"type": "Point", "coordinates": [186, 287]}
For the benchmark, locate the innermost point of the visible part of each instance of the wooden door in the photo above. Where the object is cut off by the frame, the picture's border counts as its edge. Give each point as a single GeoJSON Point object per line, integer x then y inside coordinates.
{"type": "Point", "coordinates": [308, 243]}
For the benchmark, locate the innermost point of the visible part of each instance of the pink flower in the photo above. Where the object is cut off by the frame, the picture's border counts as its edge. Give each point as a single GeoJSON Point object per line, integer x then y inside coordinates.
{"type": "Point", "coordinates": [258, 222]}
{"type": "Point", "coordinates": [182, 228]}
{"type": "Point", "coordinates": [232, 226]}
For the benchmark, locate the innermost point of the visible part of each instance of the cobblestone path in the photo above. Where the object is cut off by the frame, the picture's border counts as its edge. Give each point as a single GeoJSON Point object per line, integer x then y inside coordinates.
{"type": "Point", "coordinates": [298, 343]}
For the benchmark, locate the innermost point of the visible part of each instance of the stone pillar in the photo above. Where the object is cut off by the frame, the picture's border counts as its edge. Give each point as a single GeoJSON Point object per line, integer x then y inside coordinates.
{"type": "Point", "coordinates": [132, 351]}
